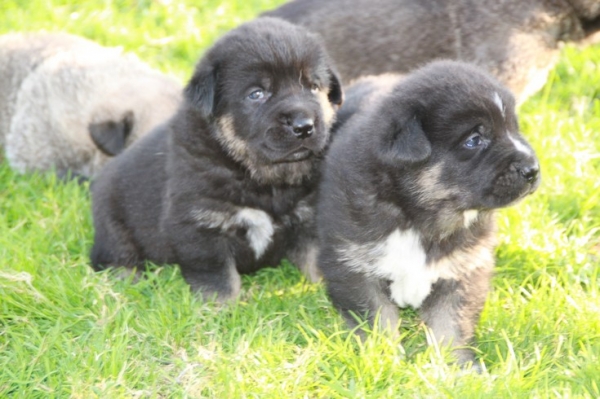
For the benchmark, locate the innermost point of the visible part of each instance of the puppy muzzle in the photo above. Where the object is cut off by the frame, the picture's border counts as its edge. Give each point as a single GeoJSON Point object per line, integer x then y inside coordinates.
{"type": "Point", "coordinates": [518, 180]}
{"type": "Point", "coordinates": [295, 138]}
{"type": "Point", "coordinates": [529, 173]}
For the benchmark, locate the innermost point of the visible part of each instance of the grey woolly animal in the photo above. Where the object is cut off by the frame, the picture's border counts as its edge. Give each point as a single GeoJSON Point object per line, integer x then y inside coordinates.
{"type": "Point", "coordinates": [70, 104]}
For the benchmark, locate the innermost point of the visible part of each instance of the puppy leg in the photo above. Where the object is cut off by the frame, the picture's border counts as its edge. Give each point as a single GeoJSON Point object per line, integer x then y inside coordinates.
{"type": "Point", "coordinates": [207, 262]}
{"type": "Point", "coordinates": [210, 237]}
{"type": "Point", "coordinates": [356, 295]}
{"type": "Point", "coordinates": [222, 283]}
{"type": "Point", "coordinates": [304, 256]}
{"type": "Point", "coordinates": [304, 249]}
{"type": "Point", "coordinates": [113, 246]}
{"type": "Point", "coordinates": [452, 311]}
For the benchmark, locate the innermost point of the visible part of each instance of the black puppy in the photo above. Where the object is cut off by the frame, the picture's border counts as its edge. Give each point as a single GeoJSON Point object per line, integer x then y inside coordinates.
{"type": "Point", "coordinates": [226, 186]}
{"type": "Point", "coordinates": [518, 41]}
{"type": "Point", "coordinates": [406, 205]}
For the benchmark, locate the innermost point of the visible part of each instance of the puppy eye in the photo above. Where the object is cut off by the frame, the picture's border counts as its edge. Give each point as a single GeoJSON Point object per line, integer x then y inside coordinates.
{"type": "Point", "coordinates": [257, 95]}
{"type": "Point", "coordinates": [315, 88]}
{"type": "Point", "coordinates": [475, 140]}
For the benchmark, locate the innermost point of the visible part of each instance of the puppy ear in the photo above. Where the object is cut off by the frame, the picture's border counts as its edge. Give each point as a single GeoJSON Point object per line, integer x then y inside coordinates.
{"type": "Point", "coordinates": [110, 136]}
{"type": "Point", "coordinates": [408, 144]}
{"type": "Point", "coordinates": [200, 90]}
{"type": "Point", "coordinates": [335, 95]}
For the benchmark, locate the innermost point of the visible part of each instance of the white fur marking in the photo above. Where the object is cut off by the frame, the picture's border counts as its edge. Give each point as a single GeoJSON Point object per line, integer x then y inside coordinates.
{"type": "Point", "coordinates": [259, 224]}
{"type": "Point", "coordinates": [470, 216]}
{"type": "Point", "coordinates": [500, 104]}
{"type": "Point", "coordinates": [519, 145]}
{"type": "Point", "coordinates": [403, 261]}
{"type": "Point", "coordinates": [260, 229]}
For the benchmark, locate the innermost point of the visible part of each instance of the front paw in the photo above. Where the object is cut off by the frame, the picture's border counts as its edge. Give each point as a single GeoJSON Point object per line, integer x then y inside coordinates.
{"type": "Point", "coordinates": [219, 286]}
{"type": "Point", "coordinates": [465, 358]}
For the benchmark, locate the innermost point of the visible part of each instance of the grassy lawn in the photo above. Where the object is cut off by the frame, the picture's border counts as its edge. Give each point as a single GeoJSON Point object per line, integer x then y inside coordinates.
{"type": "Point", "coordinates": [66, 331]}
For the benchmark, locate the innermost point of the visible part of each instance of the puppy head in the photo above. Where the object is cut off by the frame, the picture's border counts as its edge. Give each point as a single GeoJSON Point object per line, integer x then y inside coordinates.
{"type": "Point", "coordinates": [454, 137]}
{"type": "Point", "coordinates": [271, 91]}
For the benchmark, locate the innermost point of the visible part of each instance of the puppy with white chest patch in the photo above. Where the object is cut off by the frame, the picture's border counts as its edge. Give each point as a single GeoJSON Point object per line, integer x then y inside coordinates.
{"type": "Point", "coordinates": [406, 205]}
{"type": "Point", "coordinates": [227, 185]}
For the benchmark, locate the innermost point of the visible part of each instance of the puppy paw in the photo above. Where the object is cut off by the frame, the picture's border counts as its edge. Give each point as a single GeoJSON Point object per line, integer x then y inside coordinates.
{"type": "Point", "coordinates": [220, 286]}
{"type": "Point", "coordinates": [467, 362]}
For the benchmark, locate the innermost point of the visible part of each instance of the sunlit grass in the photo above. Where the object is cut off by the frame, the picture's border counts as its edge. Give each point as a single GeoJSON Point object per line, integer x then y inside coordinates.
{"type": "Point", "coordinates": [66, 331]}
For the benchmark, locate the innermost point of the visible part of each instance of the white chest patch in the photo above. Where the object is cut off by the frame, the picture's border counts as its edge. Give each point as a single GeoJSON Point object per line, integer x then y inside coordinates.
{"type": "Point", "coordinates": [403, 261]}
{"type": "Point", "coordinates": [469, 217]}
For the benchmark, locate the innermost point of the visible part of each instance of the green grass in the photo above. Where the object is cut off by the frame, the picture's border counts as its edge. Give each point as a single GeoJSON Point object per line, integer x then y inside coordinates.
{"type": "Point", "coordinates": [66, 331]}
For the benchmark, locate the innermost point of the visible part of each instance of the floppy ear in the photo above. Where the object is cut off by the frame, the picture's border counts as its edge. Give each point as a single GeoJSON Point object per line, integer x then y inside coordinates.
{"type": "Point", "coordinates": [408, 144]}
{"type": "Point", "coordinates": [335, 95]}
{"type": "Point", "coordinates": [110, 136]}
{"type": "Point", "coordinates": [200, 90]}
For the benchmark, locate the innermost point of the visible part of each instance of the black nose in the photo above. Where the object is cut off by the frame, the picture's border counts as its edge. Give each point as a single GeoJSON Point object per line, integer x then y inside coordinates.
{"type": "Point", "coordinates": [303, 127]}
{"type": "Point", "coordinates": [530, 173]}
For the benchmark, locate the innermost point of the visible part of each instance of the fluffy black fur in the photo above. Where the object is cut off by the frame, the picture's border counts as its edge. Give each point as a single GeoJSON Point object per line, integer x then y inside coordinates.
{"type": "Point", "coordinates": [517, 41]}
{"type": "Point", "coordinates": [227, 185]}
{"type": "Point", "coordinates": [406, 206]}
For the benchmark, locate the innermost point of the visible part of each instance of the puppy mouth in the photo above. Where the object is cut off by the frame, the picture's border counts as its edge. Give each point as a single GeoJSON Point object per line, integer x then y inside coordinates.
{"type": "Point", "coordinates": [298, 155]}
{"type": "Point", "coordinates": [504, 197]}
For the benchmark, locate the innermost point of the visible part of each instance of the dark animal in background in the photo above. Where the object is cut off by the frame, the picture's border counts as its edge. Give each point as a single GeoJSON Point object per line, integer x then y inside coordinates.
{"type": "Point", "coordinates": [517, 41]}
{"type": "Point", "coordinates": [365, 90]}
{"type": "Point", "coordinates": [406, 205]}
{"type": "Point", "coordinates": [228, 184]}
{"type": "Point", "coordinates": [70, 104]}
